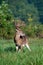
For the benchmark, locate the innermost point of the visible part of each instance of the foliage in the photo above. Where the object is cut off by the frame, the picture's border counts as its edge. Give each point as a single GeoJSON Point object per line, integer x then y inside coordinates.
{"type": "Point", "coordinates": [24, 10]}
{"type": "Point", "coordinates": [17, 12]}
{"type": "Point", "coordinates": [6, 19]}
{"type": "Point", "coordinates": [33, 30]}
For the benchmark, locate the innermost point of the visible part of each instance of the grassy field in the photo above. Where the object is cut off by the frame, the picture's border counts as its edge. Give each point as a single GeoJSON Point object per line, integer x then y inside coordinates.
{"type": "Point", "coordinates": [8, 55]}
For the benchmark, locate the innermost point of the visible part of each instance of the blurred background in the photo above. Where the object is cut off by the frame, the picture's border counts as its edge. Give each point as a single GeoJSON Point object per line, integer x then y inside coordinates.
{"type": "Point", "coordinates": [28, 11]}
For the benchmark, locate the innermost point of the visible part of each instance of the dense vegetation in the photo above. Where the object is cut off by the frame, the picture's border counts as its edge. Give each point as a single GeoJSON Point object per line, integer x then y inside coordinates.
{"type": "Point", "coordinates": [37, 3]}
{"type": "Point", "coordinates": [6, 19]}
{"type": "Point", "coordinates": [9, 13]}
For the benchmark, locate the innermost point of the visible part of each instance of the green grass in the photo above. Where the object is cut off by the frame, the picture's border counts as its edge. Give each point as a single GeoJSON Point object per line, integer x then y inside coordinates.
{"type": "Point", "coordinates": [8, 55]}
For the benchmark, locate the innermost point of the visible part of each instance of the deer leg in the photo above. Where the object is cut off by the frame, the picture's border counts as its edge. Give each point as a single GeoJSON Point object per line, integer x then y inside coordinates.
{"type": "Point", "coordinates": [28, 47]}
{"type": "Point", "coordinates": [17, 48]}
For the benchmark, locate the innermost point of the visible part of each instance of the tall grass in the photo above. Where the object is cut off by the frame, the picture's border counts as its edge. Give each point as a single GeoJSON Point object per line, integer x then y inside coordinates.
{"type": "Point", "coordinates": [8, 55]}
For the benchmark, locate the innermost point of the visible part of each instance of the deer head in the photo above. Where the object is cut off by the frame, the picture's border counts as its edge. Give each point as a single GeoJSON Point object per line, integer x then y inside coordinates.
{"type": "Point", "coordinates": [19, 24]}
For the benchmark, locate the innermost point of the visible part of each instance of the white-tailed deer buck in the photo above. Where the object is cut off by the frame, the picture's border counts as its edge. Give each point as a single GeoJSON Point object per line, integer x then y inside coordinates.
{"type": "Point", "coordinates": [20, 38]}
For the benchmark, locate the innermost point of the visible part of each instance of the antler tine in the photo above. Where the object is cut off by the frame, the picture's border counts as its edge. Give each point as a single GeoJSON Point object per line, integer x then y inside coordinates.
{"type": "Point", "coordinates": [18, 24]}
{"type": "Point", "coordinates": [23, 24]}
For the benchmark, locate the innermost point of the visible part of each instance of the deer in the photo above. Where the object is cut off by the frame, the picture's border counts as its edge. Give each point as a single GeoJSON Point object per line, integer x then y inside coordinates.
{"type": "Point", "coordinates": [20, 38]}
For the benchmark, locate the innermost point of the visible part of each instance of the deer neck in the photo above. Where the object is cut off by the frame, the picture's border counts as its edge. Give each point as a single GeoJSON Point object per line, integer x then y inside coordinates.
{"type": "Point", "coordinates": [18, 29]}
{"type": "Point", "coordinates": [19, 32]}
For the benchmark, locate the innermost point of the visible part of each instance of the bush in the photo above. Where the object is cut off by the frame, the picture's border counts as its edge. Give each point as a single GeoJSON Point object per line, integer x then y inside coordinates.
{"type": "Point", "coordinates": [6, 20]}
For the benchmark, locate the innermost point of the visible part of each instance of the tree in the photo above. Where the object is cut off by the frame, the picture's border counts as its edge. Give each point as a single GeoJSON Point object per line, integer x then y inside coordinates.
{"type": "Point", "coordinates": [23, 10]}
